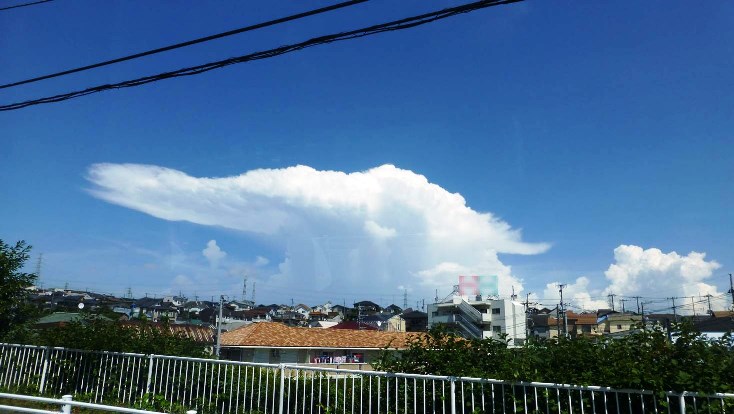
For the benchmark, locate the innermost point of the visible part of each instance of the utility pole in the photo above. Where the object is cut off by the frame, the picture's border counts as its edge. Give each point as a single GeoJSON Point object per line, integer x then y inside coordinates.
{"type": "Point", "coordinates": [219, 325]}
{"type": "Point", "coordinates": [675, 314]}
{"type": "Point", "coordinates": [731, 291]}
{"type": "Point", "coordinates": [694, 306]}
{"type": "Point", "coordinates": [563, 308]}
{"type": "Point", "coordinates": [436, 299]}
{"type": "Point", "coordinates": [611, 300]}
{"type": "Point", "coordinates": [359, 318]}
{"type": "Point", "coordinates": [644, 325]}
{"type": "Point", "coordinates": [709, 300]}
{"type": "Point", "coordinates": [527, 314]}
{"type": "Point", "coordinates": [638, 303]}
{"type": "Point", "coordinates": [623, 301]}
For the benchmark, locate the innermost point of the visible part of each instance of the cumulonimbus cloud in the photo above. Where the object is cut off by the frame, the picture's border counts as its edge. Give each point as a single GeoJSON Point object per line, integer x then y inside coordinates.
{"type": "Point", "coordinates": [382, 227]}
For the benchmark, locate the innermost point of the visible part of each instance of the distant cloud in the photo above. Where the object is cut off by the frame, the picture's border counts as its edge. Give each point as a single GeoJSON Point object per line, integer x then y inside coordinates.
{"type": "Point", "coordinates": [576, 295]}
{"type": "Point", "coordinates": [261, 261]}
{"type": "Point", "coordinates": [650, 272]}
{"type": "Point", "coordinates": [647, 273]}
{"type": "Point", "coordinates": [213, 253]}
{"type": "Point", "coordinates": [361, 231]}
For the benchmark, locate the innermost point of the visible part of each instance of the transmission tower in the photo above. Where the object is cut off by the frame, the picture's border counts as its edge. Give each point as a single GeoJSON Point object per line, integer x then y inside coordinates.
{"type": "Point", "coordinates": [244, 289]}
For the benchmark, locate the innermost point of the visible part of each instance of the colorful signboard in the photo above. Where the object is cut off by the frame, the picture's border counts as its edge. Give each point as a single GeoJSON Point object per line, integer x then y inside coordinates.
{"type": "Point", "coordinates": [478, 285]}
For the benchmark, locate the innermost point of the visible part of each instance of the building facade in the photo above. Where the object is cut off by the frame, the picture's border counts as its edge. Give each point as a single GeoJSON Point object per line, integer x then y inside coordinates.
{"type": "Point", "coordinates": [482, 319]}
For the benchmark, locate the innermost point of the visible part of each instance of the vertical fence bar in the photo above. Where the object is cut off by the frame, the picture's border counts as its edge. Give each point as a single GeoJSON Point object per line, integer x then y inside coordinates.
{"type": "Point", "coordinates": [150, 374]}
{"type": "Point", "coordinates": [44, 371]}
{"type": "Point", "coordinates": [282, 388]}
{"type": "Point", "coordinates": [452, 380]}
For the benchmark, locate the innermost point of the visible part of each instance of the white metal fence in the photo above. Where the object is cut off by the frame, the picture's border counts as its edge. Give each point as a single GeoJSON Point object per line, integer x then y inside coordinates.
{"type": "Point", "coordinates": [65, 404]}
{"type": "Point", "coordinates": [214, 386]}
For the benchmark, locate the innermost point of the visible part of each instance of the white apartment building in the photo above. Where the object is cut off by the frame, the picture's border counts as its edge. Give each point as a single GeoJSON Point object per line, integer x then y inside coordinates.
{"type": "Point", "coordinates": [481, 318]}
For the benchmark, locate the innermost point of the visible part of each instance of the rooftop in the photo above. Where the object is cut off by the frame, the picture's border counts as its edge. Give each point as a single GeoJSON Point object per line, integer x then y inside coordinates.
{"type": "Point", "coordinates": [271, 334]}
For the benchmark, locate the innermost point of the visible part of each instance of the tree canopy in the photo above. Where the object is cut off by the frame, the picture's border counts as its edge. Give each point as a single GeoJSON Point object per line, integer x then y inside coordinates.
{"type": "Point", "coordinates": [14, 307]}
{"type": "Point", "coordinates": [647, 359]}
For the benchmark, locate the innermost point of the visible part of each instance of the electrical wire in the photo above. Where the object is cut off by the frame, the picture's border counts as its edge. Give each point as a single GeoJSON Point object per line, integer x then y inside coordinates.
{"type": "Point", "coordinates": [395, 25]}
{"type": "Point", "coordinates": [25, 5]}
{"type": "Point", "coordinates": [189, 43]}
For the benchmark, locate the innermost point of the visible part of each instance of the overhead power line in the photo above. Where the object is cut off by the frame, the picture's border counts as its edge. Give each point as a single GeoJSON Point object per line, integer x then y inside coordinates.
{"type": "Point", "coordinates": [189, 43]}
{"type": "Point", "coordinates": [401, 24]}
{"type": "Point", "coordinates": [24, 5]}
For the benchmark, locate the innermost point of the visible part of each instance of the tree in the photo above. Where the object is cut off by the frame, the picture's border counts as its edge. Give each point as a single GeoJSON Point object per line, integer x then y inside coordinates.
{"type": "Point", "coordinates": [14, 307]}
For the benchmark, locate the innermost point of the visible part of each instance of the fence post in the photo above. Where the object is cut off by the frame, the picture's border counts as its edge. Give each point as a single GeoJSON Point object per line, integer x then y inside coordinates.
{"type": "Point", "coordinates": [150, 374]}
{"type": "Point", "coordinates": [453, 394]}
{"type": "Point", "coordinates": [66, 408]}
{"type": "Point", "coordinates": [683, 403]}
{"type": "Point", "coordinates": [282, 388]}
{"type": "Point", "coordinates": [42, 385]}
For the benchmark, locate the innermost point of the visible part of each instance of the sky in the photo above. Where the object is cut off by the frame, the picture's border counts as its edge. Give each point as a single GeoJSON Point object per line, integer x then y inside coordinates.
{"type": "Point", "coordinates": [581, 143]}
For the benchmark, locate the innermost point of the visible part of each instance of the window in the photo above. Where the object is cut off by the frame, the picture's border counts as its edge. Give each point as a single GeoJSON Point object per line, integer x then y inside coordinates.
{"type": "Point", "coordinates": [274, 356]}
{"type": "Point", "coordinates": [619, 326]}
{"type": "Point", "coordinates": [496, 311]}
{"type": "Point", "coordinates": [586, 328]}
{"type": "Point", "coordinates": [497, 329]}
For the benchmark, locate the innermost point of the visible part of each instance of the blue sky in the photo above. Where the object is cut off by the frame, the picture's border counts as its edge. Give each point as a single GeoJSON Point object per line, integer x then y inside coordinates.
{"type": "Point", "coordinates": [591, 127]}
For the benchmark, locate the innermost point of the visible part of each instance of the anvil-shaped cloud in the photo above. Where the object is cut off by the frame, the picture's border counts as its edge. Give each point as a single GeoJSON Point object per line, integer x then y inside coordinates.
{"type": "Point", "coordinates": [375, 229]}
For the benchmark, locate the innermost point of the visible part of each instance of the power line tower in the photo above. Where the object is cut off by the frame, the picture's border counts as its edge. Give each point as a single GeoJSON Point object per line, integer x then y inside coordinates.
{"type": "Point", "coordinates": [244, 289]}
{"type": "Point", "coordinates": [405, 298]}
{"type": "Point", "coordinates": [38, 268]}
{"type": "Point", "coordinates": [254, 283]}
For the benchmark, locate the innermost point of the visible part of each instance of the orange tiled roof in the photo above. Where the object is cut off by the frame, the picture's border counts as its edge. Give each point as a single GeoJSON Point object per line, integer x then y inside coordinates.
{"type": "Point", "coordinates": [273, 334]}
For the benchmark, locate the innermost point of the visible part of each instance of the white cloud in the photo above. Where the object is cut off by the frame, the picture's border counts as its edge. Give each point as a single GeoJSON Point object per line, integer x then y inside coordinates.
{"type": "Point", "coordinates": [213, 253]}
{"type": "Point", "coordinates": [261, 261]}
{"type": "Point", "coordinates": [576, 295]}
{"type": "Point", "coordinates": [650, 272]}
{"type": "Point", "coordinates": [362, 231]}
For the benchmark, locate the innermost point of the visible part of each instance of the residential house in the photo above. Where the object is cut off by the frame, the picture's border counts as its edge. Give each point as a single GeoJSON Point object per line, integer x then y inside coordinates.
{"type": "Point", "coordinates": [272, 342]}
{"type": "Point", "coordinates": [303, 310]}
{"type": "Point", "coordinates": [617, 322]}
{"type": "Point", "coordinates": [367, 307]}
{"type": "Point", "coordinates": [394, 309]}
{"type": "Point", "coordinates": [386, 322]}
{"type": "Point", "coordinates": [415, 321]}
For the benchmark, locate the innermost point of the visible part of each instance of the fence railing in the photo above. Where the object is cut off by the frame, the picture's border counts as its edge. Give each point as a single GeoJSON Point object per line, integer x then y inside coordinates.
{"type": "Point", "coordinates": [65, 404]}
{"type": "Point", "coordinates": [218, 386]}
